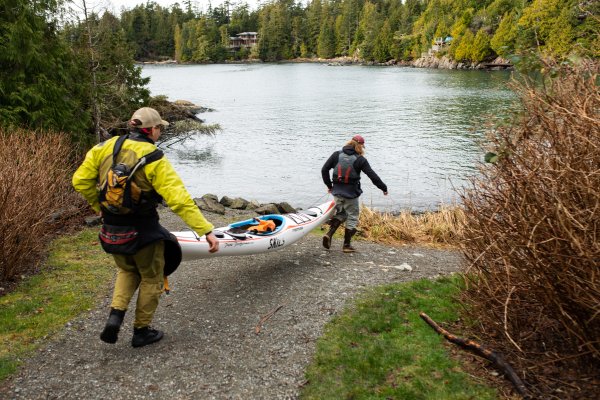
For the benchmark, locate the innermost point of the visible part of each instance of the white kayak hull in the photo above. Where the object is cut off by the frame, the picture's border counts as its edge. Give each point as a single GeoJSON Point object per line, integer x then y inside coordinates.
{"type": "Point", "coordinates": [291, 228]}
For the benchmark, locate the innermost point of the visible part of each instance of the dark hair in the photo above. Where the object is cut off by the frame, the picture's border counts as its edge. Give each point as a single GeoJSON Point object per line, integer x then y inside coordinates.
{"type": "Point", "coordinates": [133, 127]}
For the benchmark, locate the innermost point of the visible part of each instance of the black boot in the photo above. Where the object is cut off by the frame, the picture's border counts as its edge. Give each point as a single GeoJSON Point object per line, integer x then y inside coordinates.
{"type": "Point", "coordinates": [113, 324]}
{"type": "Point", "coordinates": [334, 223]}
{"type": "Point", "coordinates": [347, 238]}
{"type": "Point", "coordinates": [145, 335]}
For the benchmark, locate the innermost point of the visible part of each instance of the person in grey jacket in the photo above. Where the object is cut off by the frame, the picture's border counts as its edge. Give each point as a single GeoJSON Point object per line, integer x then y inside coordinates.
{"type": "Point", "coordinates": [347, 164]}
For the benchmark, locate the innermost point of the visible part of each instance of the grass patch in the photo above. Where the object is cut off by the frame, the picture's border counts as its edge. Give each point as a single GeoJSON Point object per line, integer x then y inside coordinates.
{"type": "Point", "coordinates": [439, 228]}
{"type": "Point", "coordinates": [380, 348]}
{"type": "Point", "coordinates": [76, 273]}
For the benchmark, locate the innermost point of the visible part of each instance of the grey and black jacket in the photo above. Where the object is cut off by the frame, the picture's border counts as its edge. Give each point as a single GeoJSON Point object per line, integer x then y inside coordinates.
{"type": "Point", "coordinates": [351, 189]}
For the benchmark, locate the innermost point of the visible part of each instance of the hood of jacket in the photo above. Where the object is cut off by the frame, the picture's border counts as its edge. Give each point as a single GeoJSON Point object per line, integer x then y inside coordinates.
{"type": "Point", "coordinates": [349, 150]}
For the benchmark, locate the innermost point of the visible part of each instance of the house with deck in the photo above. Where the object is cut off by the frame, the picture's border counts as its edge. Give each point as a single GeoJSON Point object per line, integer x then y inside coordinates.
{"type": "Point", "coordinates": [440, 44]}
{"type": "Point", "coordinates": [243, 40]}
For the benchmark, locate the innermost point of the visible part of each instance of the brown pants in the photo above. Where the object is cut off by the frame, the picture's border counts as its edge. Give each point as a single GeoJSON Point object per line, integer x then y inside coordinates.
{"type": "Point", "coordinates": [143, 270]}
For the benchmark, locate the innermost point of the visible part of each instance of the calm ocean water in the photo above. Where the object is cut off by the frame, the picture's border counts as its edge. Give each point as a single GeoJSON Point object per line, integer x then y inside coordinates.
{"type": "Point", "coordinates": [280, 122]}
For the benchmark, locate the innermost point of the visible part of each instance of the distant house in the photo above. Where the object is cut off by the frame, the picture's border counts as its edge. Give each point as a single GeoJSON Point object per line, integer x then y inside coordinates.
{"type": "Point", "coordinates": [244, 39]}
{"type": "Point", "coordinates": [440, 44]}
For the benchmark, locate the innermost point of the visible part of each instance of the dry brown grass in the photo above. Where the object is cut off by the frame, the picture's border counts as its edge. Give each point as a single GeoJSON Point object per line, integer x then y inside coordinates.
{"type": "Point", "coordinates": [440, 228]}
{"type": "Point", "coordinates": [532, 235]}
{"type": "Point", "coordinates": [35, 196]}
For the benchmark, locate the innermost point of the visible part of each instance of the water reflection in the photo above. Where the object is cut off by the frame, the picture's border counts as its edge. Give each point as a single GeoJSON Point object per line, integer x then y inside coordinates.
{"type": "Point", "coordinates": [198, 156]}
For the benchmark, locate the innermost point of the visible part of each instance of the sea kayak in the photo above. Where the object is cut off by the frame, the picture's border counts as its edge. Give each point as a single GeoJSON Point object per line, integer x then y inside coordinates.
{"type": "Point", "coordinates": [263, 234]}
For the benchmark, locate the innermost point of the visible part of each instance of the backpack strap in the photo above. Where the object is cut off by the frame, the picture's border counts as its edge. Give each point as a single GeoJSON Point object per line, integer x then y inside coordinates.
{"type": "Point", "coordinates": [145, 160]}
{"type": "Point", "coordinates": [117, 148]}
{"type": "Point", "coordinates": [154, 156]}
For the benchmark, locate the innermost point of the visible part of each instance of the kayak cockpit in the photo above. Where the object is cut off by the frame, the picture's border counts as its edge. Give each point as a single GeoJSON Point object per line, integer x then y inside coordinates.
{"type": "Point", "coordinates": [262, 226]}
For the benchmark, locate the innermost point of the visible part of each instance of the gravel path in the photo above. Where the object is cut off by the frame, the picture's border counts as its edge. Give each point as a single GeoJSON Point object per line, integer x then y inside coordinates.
{"type": "Point", "coordinates": [210, 349]}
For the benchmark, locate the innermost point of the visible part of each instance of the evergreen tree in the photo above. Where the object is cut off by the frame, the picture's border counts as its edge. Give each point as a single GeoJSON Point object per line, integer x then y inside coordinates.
{"type": "Point", "coordinates": [480, 49]}
{"type": "Point", "coordinates": [548, 25]}
{"type": "Point", "coordinates": [463, 49]}
{"type": "Point", "coordinates": [383, 44]}
{"type": "Point", "coordinates": [274, 32]}
{"type": "Point", "coordinates": [242, 20]}
{"type": "Point", "coordinates": [368, 30]}
{"type": "Point", "coordinates": [116, 87]}
{"type": "Point", "coordinates": [314, 24]}
{"type": "Point", "coordinates": [503, 41]}
{"type": "Point", "coordinates": [347, 25]}
{"type": "Point", "coordinates": [42, 84]}
{"type": "Point", "coordinates": [178, 39]}
{"type": "Point", "coordinates": [326, 41]}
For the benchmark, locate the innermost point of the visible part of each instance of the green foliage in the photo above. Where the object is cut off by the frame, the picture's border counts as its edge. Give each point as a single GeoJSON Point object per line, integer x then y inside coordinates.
{"type": "Point", "coordinates": [503, 41]}
{"type": "Point", "coordinates": [554, 26]}
{"type": "Point", "coordinates": [42, 83]}
{"type": "Point", "coordinates": [326, 40]}
{"type": "Point", "coordinates": [115, 85]}
{"type": "Point", "coordinates": [150, 29]}
{"type": "Point", "coordinates": [368, 30]}
{"type": "Point", "coordinates": [481, 46]}
{"type": "Point", "coordinates": [313, 26]}
{"type": "Point", "coordinates": [464, 45]}
{"type": "Point", "coordinates": [78, 79]}
{"type": "Point", "coordinates": [274, 31]}
{"type": "Point", "coordinates": [383, 43]}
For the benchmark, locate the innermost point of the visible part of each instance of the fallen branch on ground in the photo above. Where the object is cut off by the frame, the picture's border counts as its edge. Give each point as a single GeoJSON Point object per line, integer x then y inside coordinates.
{"type": "Point", "coordinates": [481, 351]}
{"type": "Point", "coordinates": [266, 317]}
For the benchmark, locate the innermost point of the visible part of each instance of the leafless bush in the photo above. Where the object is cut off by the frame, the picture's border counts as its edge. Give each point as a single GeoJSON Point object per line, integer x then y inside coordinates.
{"type": "Point", "coordinates": [35, 195]}
{"type": "Point", "coordinates": [532, 231]}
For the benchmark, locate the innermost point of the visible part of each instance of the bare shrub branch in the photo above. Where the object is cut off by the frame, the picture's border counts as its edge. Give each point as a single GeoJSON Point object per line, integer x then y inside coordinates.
{"type": "Point", "coordinates": [532, 225]}
{"type": "Point", "coordinates": [35, 183]}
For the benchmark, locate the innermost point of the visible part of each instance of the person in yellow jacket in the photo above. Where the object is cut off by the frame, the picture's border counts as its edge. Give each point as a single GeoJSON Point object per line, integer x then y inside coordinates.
{"type": "Point", "coordinates": [143, 250]}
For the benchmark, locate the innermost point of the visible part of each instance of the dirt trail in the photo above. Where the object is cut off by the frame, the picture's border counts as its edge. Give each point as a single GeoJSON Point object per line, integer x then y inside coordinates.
{"type": "Point", "coordinates": [211, 349]}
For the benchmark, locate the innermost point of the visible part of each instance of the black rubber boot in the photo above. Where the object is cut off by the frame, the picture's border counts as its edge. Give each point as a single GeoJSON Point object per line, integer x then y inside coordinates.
{"type": "Point", "coordinates": [110, 333]}
{"type": "Point", "coordinates": [144, 336]}
{"type": "Point", "coordinates": [347, 239]}
{"type": "Point", "coordinates": [334, 223]}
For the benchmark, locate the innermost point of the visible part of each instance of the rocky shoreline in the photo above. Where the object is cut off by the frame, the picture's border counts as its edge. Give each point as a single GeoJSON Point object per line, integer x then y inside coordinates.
{"type": "Point", "coordinates": [429, 61]}
{"type": "Point", "coordinates": [211, 203]}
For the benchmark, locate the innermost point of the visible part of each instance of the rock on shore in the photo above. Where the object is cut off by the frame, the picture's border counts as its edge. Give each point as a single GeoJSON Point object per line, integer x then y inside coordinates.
{"type": "Point", "coordinates": [211, 203]}
{"type": "Point", "coordinates": [445, 62]}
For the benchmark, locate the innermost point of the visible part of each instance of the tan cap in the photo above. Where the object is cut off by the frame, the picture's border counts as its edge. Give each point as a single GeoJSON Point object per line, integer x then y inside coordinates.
{"type": "Point", "coordinates": [148, 117]}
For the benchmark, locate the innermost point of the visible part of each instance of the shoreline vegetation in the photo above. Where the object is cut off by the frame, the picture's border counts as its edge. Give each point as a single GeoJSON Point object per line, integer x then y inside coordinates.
{"type": "Point", "coordinates": [430, 61]}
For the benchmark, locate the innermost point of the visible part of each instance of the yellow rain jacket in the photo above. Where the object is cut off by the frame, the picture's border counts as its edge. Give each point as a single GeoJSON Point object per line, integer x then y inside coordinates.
{"type": "Point", "coordinates": [158, 176]}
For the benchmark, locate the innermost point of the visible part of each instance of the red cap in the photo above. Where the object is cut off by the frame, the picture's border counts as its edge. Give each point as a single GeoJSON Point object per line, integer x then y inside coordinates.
{"type": "Point", "coordinates": [359, 139]}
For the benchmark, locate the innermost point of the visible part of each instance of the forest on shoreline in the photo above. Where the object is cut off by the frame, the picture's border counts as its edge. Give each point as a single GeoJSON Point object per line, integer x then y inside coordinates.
{"type": "Point", "coordinates": [370, 31]}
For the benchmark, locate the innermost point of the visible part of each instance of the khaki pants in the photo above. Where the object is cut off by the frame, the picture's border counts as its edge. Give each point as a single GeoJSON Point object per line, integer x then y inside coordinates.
{"type": "Point", "coordinates": [347, 210]}
{"type": "Point", "coordinates": [143, 270]}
